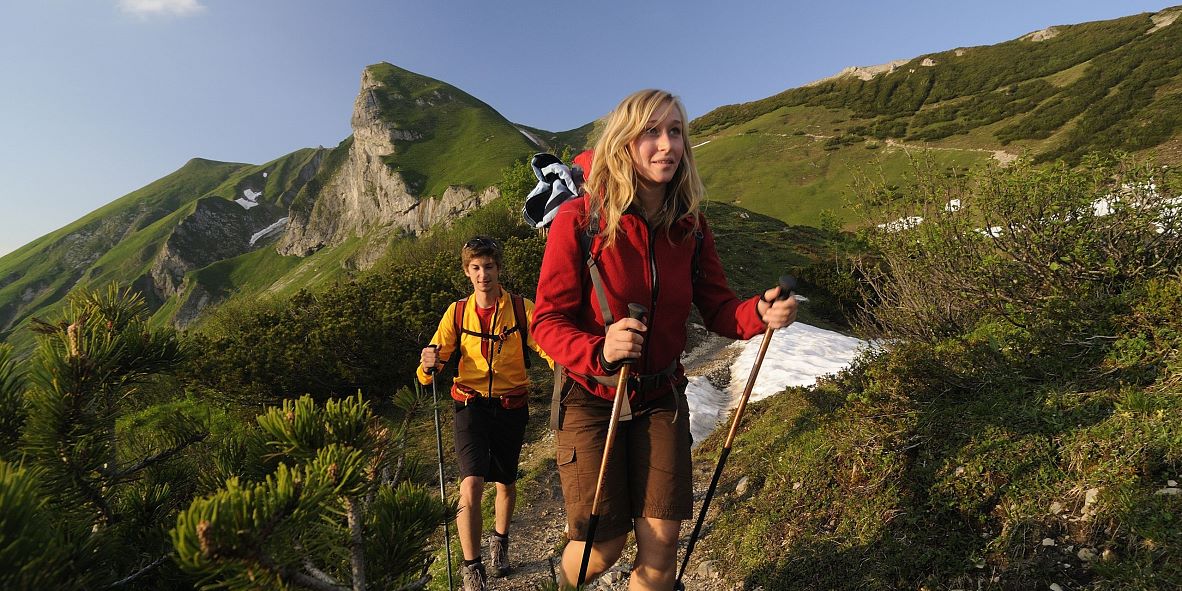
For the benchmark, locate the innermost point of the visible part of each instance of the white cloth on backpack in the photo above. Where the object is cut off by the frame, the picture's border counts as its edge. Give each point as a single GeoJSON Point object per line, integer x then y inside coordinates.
{"type": "Point", "coordinates": [556, 183]}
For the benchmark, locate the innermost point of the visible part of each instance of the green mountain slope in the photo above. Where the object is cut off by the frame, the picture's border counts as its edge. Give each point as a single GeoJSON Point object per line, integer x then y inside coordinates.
{"type": "Point", "coordinates": [206, 233]}
{"type": "Point", "coordinates": [41, 272]}
{"type": "Point", "coordinates": [795, 156]}
{"type": "Point", "coordinates": [1059, 93]}
{"type": "Point", "coordinates": [453, 138]}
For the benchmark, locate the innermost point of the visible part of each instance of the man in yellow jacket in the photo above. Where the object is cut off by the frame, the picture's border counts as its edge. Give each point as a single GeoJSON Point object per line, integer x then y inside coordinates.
{"type": "Point", "coordinates": [489, 332]}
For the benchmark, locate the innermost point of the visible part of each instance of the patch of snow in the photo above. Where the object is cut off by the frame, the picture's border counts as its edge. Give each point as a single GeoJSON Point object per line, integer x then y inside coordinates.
{"type": "Point", "coordinates": [796, 356]}
{"type": "Point", "coordinates": [265, 175]}
{"type": "Point", "coordinates": [702, 144]}
{"type": "Point", "coordinates": [531, 137]}
{"type": "Point", "coordinates": [708, 406]}
{"type": "Point", "coordinates": [953, 205]}
{"type": "Point", "coordinates": [269, 230]}
{"type": "Point", "coordinates": [249, 199]}
{"type": "Point", "coordinates": [902, 224]}
{"type": "Point", "coordinates": [1102, 207]}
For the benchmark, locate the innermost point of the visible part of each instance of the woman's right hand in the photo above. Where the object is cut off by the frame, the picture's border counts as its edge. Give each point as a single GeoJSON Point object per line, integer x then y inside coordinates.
{"type": "Point", "coordinates": [624, 340]}
{"type": "Point", "coordinates": [428, 358]}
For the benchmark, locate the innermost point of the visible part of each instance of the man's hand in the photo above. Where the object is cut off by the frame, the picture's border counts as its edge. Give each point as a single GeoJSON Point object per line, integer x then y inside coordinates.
{"type": "Point", "coordinates": [429, 359]}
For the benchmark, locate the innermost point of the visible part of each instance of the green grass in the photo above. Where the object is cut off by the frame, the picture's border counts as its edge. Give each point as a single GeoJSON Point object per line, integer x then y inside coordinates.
{"type": "Point", "coordinates": [281, 182]}
{"type": "Point", "coordinates": [950, 493]}
{"type": "Point", "coordinates": [461, 140]}
{"type": "Point", "coordinates": [794, 178]}
{"type": "Point", "coordinates": [245, 276]}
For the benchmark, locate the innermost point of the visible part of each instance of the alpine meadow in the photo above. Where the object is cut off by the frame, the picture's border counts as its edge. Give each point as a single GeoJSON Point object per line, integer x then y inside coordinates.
{"type": "Point", "coordinates": [208, 383]}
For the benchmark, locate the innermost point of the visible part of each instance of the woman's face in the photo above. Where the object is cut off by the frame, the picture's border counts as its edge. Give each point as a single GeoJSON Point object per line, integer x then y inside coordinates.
{"type": "Point", "coordinates": [656, 154]}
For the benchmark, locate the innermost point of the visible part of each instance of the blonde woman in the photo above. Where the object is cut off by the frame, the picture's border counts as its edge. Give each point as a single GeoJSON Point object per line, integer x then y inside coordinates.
{"type": "Point", "coordinates": [640, 224]}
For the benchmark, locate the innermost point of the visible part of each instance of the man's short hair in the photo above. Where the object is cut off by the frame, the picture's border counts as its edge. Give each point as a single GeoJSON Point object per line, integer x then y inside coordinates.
{"type": "Point", "coordinates": [480, 247]}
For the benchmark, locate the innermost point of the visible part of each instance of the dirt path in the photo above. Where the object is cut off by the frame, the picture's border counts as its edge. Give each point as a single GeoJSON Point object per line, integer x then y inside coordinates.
{"type": "Point", "coordinates": [537, 533]}
{"type": "Point", "coordinates": [1001, 156]}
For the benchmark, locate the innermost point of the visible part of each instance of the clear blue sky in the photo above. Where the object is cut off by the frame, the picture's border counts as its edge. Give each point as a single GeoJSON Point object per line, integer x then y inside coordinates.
{"type": "Point", "coordinates": [100, 97]}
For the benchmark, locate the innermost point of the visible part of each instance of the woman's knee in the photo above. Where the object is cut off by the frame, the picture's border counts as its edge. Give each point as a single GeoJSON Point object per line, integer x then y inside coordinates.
{"type": "Point", "coordinates": [604, 555]}
{"type": "Point", "coordinates": [656, 541]}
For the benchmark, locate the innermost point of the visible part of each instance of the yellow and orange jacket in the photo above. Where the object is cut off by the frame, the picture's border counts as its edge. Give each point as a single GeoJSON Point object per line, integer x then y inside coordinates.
{"type": "Point", "coordinates": [502, 373]}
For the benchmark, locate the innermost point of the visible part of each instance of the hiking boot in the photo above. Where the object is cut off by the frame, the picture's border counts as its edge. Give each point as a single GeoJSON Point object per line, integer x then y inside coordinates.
{"type": "Point", "coordinates": [498, 549]}
{"type": "Point", "coordinates": [474, 579]}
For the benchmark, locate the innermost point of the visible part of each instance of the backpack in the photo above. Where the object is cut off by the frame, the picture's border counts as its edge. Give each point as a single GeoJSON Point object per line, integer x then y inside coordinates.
{"type": "Point", "coordinates": [518, 317]}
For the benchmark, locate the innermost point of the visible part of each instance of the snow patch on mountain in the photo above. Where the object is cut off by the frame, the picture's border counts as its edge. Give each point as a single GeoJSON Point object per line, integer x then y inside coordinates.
{"type": "Point", "coordinates": [271, 230]}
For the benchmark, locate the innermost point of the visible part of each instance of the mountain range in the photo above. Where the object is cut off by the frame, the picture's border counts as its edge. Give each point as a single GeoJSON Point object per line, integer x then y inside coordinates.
{"type": "Point", "coordinates": [423, 152]}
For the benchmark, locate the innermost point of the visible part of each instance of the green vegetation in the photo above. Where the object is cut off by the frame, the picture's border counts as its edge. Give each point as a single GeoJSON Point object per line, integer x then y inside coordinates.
{"type": "Point", "coordinates": [83, 487]}
{"type": "Point", "coordinates": [1020, 429]}
{"type": "Point", "coordinates": [35, 277]}
{"type": "Point", "coordinates": [794, 178]}
{"type": "Point", "coordinates": [331, 513]}
{"type": "Point", "coordinates": [1026, 391]}
{"type": "Point", "coordinates": [1097, 86]}
{"type": "Point", "coordinates": [101, 451]}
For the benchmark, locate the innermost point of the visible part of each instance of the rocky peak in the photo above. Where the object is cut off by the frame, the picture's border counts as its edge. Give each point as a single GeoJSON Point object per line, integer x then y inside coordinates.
{"type": "Point", "coordinates": [365, 195]}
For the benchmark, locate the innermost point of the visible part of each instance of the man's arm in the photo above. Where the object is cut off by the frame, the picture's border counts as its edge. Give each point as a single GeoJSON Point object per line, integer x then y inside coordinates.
{"type": "Point", "coordinates": [445, 338]}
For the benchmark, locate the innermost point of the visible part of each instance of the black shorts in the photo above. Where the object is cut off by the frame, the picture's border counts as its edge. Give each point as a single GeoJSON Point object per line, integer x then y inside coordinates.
{"type": "Point", "coordinates": [489, 438]}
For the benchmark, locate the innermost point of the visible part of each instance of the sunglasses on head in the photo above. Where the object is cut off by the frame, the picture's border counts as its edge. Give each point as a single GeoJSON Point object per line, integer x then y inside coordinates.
{"type": "Point", "coordinates": [480, 243]}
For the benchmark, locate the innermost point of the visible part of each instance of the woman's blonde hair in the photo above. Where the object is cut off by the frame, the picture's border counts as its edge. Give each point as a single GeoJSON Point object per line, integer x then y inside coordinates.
{"type": "Point", "coordinates": [611, 184]}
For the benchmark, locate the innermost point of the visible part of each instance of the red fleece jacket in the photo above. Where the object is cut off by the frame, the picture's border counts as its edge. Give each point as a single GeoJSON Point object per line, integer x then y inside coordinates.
{"type": "Point", "coordinates": [639, 268]}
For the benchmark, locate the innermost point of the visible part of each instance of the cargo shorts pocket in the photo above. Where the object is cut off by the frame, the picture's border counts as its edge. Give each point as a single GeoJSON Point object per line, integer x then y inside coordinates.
{"type": "Point", "coordinates": [568, 472]}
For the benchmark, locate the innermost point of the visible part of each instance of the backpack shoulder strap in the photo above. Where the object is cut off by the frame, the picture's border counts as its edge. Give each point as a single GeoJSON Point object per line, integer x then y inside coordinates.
{"type": "Point", "coordinates": [696, 269]}
{"type": "Point", "coordinates": [586, 244]}
{"type": "Point", "coordinates": [458, 319]}
{"type": "Point", "coordinates": [522, 326]}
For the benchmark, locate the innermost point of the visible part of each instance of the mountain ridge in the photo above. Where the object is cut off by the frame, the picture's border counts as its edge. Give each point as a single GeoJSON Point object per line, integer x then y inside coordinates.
{"type": "Point", "coordinates": [359, 195]}
{"type": "Point", "coordinates": [424, 152]}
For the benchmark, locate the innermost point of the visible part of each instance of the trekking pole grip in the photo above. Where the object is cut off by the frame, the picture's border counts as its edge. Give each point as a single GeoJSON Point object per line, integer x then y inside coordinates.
{"type": "Point", "coordinates": [636, 312]}
{"type": "Point", "coordinates": [431, 370]}
{"type": "Point", "coordinates": [787, 286]}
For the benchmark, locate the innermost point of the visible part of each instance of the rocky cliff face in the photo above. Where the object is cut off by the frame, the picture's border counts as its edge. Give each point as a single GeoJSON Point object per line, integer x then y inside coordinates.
{"type": "Point", "coordinates": [366, 195]}
{"type": "Point", "coordinates": [216, 230]}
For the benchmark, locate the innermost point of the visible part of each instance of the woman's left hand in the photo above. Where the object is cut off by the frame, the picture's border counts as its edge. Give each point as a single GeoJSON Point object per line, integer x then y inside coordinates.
{"type": "Point", "coordinates": [778, 313]}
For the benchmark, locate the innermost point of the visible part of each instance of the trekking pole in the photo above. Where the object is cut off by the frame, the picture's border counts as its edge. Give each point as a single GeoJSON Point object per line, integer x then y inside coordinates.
{"type": "Point", "coordinates": [439, 452]}
{"type": "Point", "coordinates": [787, 284]}
{"type": "Point", "coordinates": [638, 312]}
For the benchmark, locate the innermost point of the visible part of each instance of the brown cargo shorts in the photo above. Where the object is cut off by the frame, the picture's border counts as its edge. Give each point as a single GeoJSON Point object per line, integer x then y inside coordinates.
{"type": "Point", "coordinates": [648, 475]}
